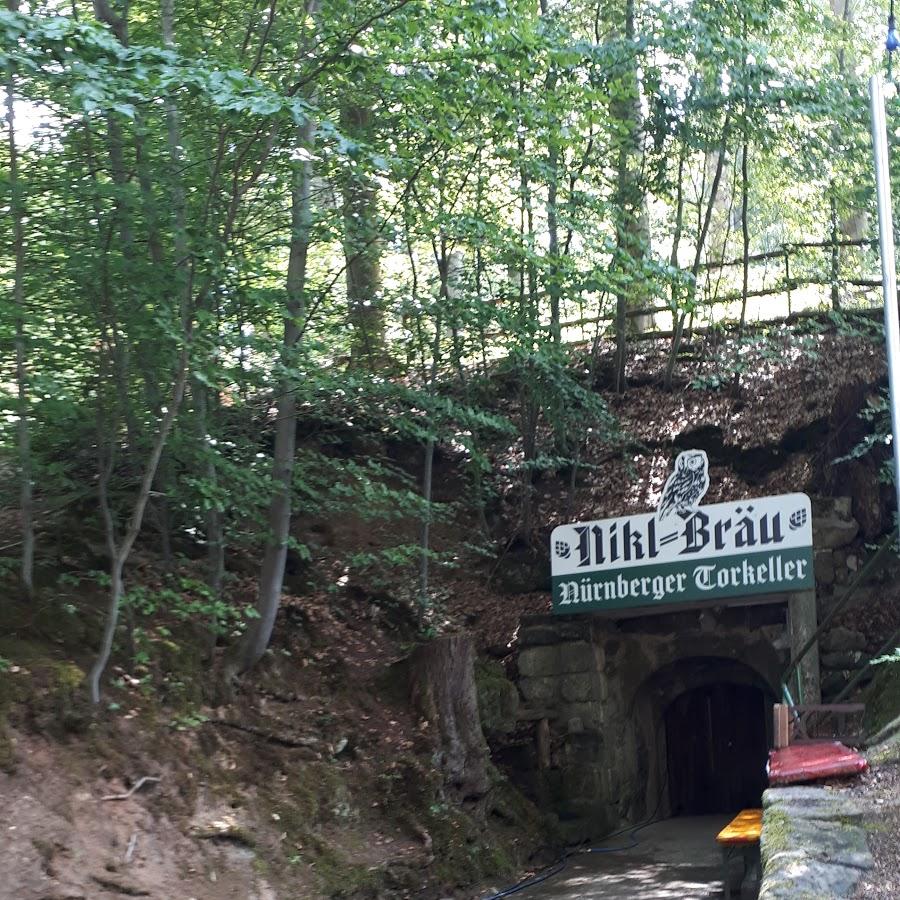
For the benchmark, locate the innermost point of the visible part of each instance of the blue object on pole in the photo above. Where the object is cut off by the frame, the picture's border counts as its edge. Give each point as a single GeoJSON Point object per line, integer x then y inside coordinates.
{"type": "Point", "coordinates": [892, 41]}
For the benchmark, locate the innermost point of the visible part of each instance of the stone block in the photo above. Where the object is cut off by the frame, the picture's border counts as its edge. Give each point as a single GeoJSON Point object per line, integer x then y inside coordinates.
{"type": "Point", "coordinates": [790, 875]}
{"type": "Point", "coordinates": [777, 635]}
{"type": "Point", "coordinates": [840, 639]}
{"type": "Point", "coordinates": [591, 714]}
{"type": "Point", "coordinates": [842, 659]}
{"type": "Point", "coordinates": [611, 648]}
{"type": "Point", "coordinates": [539, 691]}
{"type": "Point", "coordinates": [823, 566]}
{"type": "Point", "coordinates": [578, 688]}
{"type": "Point", "coordinates": [831, 532]}
{"type": "Point", "coordinates": [536, 630]}
{"type": "Point", "coordinates": [843, 506]}
{"type": "Point", "coordinates": [541, 661]}
{"type": "Point", "coordinates": [580, 656]}
{"type": "Point", "coordinates": [808, 802]}
{"type": "Point", "coordinates": [538, 635]}
{"type": "Point", "coordinates": [575, 725]}
{"type": "Point", "coordinates": [581, 751]}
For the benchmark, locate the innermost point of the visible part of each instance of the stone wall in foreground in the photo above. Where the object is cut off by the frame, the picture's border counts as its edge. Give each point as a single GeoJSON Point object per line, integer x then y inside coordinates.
{"type": "Point", "coordinates": [813, 844]}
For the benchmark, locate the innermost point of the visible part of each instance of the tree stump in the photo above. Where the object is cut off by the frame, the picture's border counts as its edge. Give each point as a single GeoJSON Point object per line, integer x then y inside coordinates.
{"type": "Point", "coordinates": [442, 690]}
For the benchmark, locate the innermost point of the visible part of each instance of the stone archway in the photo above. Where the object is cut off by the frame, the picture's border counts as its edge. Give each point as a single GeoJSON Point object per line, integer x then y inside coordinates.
{"type": "Point", "coordinates": [597, 691]}
{"type": "Point", "coordinates": [702, 729]}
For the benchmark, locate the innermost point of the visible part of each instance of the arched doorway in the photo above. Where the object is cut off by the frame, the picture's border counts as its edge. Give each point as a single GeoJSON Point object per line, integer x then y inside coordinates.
{"type": "Point", "coordinates": [704, 728]}
{"type": "Point", "coordinates": [716, 748]}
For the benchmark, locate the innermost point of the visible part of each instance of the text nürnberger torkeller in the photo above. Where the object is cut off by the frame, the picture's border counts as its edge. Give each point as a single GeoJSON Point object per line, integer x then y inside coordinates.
{"type": "Point", "coordinates": [722, 550]}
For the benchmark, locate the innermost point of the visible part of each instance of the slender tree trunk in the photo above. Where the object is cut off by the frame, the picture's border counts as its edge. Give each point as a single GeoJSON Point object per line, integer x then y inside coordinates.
{"type": "Point", "coordinates": [213, 524]}
{"type": "Point", "coordinates": [835, 256]}
{"type": "Point", "coordinates": [256, 639]}
{"type": "Point", "coordinates": [632, 228]}
{"type": "Point", "coordinates": [698, 257]}
{"type": "Point", "coordinates": [362, 250]}
{"type": "Point", "coordinates": [745, 234]}
{"type": "Point", "coordinates": [442, 259]}
{"type": "Point", "coordinates": [118, 170]}
{"type": "Point", "coordinates": [23, 432]}
{"type": "Point", "coordinates": [553, 253]}
{"type": "Point", "coordinates": [119, 552]}
{"type": "Point", "coordinates": [530, 312]}
{"type": "Point", "coordinates": [159, 502]}
{"type": "Point", "coordinates": [426, 522]}
{"type": "Point", "coordinates": [479, 266]}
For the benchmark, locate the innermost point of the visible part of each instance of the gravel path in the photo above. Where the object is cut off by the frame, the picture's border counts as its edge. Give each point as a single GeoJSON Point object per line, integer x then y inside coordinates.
{"type": "Point", "coordinates": [880, 787]}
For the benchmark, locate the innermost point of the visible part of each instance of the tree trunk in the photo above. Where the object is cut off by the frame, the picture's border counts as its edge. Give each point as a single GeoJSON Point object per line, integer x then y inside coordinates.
{"type": "Point", "coordinates": [213, 525]}
{"type": "Point", "coordinates": [119, 552]}
{"type": "Point", "coordinates": [745, 236]}
{"type": "Point", "coordinates": [442, 688]}
{"type": "Point", "coordinates": [362, 250]}
{"type": "Point", "coordinates": [256, 639]}
{"type": "Point", "coordinates": [632, 227]}
{"type": "Point", "coordinates": [17, 211]}
{"type": "Point", "coordinates": [424, 541]}
{"type": "Point", "coordinates": [835, 257]}
{"type": "Point", "coordinates": [698, 256]}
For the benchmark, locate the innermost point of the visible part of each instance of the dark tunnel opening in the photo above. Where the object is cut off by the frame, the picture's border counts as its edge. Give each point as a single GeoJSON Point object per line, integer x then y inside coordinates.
{"type": "Point", "coordinates": [716, 748]}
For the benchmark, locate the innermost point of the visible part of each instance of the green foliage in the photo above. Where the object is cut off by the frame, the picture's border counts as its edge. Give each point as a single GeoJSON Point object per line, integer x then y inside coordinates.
{"type": "Point", "coordinates": [759, 351]}
{"type": "Point", "coordinates": [485, 181]}
{"type": "Point", "coordinates": [877, 413]}
{"type": "Point", "coordinates": [188, 721]}
{"type": "Point", "coordinates": [569, 409]}
{"type": "Point", "coordinates": [186, 599]}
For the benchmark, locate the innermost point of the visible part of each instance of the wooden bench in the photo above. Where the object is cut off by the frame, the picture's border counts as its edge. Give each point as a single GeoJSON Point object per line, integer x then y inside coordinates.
{"type": "Point", "coordinates": [740, 835]}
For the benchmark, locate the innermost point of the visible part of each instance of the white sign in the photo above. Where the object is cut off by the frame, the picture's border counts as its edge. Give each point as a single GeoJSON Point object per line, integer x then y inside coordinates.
{"type": "Point", "coordinates": [683, 551]}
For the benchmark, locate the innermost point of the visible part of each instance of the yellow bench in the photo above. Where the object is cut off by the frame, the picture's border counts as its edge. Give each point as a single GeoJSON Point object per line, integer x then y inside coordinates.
{"type": "Point", "coordinates": [740, 835]}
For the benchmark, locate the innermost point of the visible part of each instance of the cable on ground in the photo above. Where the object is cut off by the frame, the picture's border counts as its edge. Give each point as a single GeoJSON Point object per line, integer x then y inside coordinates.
{"type": "Point", "coordinates": [561, 863]}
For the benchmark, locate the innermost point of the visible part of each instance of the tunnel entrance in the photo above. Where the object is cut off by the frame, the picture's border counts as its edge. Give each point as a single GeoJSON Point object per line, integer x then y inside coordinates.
{"type": "Point", "coordinates": [716, 748]}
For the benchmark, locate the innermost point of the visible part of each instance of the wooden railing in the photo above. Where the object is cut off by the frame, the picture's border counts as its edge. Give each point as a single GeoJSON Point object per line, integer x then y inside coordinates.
{"type": "Point", "coordinates": [786, 281]}
{"type": "Point", "coordinates": [809, 722]}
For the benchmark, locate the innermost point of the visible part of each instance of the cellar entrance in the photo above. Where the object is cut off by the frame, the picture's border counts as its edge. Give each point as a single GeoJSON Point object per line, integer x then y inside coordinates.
{"type": "Point", "coordinates": [716, 749]}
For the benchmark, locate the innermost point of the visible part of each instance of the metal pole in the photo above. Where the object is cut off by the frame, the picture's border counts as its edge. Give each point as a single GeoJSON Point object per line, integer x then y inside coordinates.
{"type": "Point", "coordinates": [888, 263]}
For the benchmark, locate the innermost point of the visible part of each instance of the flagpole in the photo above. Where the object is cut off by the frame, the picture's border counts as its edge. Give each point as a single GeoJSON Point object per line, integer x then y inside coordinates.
{"type": "Point", "coordinates": [888, 263]}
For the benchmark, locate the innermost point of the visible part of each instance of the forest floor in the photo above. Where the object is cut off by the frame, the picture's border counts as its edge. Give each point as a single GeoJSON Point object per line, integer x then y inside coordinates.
{"type": "Point", "coordinates": [316, 780]}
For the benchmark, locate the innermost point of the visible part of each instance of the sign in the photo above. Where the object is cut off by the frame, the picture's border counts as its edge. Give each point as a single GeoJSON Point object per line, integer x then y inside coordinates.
{"type": "Point", "coordinates": [684, 552]}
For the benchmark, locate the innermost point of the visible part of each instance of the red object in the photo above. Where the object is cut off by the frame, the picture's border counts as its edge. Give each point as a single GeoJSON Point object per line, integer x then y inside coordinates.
{"type": "Point", "coordinates": [809, 762]}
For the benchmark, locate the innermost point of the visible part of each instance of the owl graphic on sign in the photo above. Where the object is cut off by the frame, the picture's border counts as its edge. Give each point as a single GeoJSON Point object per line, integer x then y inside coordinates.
{"type": "Point", "coordinates": [686, 486]}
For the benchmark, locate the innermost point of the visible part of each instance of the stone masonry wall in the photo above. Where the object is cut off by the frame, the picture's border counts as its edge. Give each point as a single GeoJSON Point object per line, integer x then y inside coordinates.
{"type": "Point", "coordinates": [598, 690]}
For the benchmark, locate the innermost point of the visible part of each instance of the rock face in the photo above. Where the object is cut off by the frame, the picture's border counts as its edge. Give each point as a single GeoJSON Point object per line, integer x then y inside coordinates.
{"type": "Point", "coordinates": [813, 844]}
